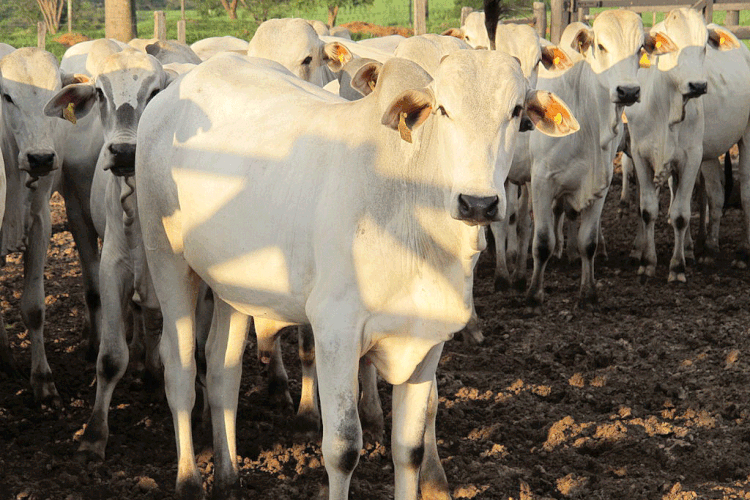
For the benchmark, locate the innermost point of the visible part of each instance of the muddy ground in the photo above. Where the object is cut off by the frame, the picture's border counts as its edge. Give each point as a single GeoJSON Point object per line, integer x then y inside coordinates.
{"type": "Point", "coordinates": [647, 398]}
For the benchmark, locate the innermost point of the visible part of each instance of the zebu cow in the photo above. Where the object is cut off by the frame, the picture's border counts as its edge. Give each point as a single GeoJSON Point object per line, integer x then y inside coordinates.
{"type": "Point", "coordinates": [666, 131]}
{"type": "Point", "coordinates": [33, 159]}
{"type": "Point", "coordinates": [473, 31]}
{"type": "Point", "coordinates": [211, 46]}
{"type": "Point", "coordinates": [122, 85]}
{"type": "Point", "coordinates": [6, 358]}
{"type": "Point", "coordinates": [386, 43]}
{"type": "Point", "coordinates": [294, 44]}
{"type": "Point", "coordinates": [573, 174]}
{"type": "Point", "coordinates": [361, 218]}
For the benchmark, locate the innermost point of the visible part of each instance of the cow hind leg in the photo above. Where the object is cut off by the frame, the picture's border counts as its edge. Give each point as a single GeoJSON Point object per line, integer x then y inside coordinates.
{"type": "Point", "coordinates": [432, 481]}
{"type": "Point", "coordinates": [224, 349]}
{"type": "Point", "coordinates": [308, 413]}
{"type": "Point", "coordinates": [370, 408]}
{"type": "Point", "coordinates": [524, 237]}
{"type": "Point", "coordinates": [708, 239]}
{"type": "Point", "coordinates": [544, 243]}
{"type": "Point", "coordinates": [77, 193]}
{"type": "Point", "coordinates": [269, 353]}
{"type": "Point", "coordinates": [679, 214]}
{"type": "Point", "coordinates": [588, 238]}
{"type": "Point", "coordinates": [743, 253]}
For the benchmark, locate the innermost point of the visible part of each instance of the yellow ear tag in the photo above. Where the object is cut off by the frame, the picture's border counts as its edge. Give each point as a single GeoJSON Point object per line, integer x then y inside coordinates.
{"type": "Point", "coordinates": [658, 44]}
{"type": "Point", "coordinates": [558, 118]}
{"type": "Point", "coordinates": [645, 62]}
{"type": "Point", "coordinates": [403, 129]}
{"type": "Point", "coordinates": [556, 60]}
{"type": "Point", "coordinates": [722, 40]}
{"type": "Point", "coordinates": [341, 58]}
{"type": "Point", "coordinates": [69, 113]}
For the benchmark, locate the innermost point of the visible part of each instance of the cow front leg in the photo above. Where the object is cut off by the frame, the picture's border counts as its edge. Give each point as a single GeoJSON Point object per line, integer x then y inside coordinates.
{"type": "Point", "coordinates": [77, 193]}
{"type": "Point", "coordinates": [649, 210]}
{"type": "Point", "coordinates": [743, 253]}
{"type": "Point", "coordinates": [410, 405]}
{"type": "Point", "coordinates": [224, 349]}
{"type": "Point", "coordinates": [112, 360]}
{"type": "Point", "coordinates": [708, 238]}
{"type": "Point", "coordinates": [432, 481]}
{"type": "Point", "coordinates": [588, 241]}
{"type": "Point", "coordinates": [337, 361]}
{"type": "Point", "coordinates": [544, 243]}
{"type": "Point", "coordinates": [524, 238]}
{"type": "Point", "coordinates": [32, 299]}
{"type": "Point", "coordinates": [679, 214]}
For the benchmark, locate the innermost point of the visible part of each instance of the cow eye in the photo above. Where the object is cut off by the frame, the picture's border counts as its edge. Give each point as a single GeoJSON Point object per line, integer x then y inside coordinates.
{"type": "Point", "coordinates": [601, 48]}
{"type": "Point", "coordinates": [307, 60]}
{"type": "Point", "coordinates": [442, 111]}
{"type": "Point", "coordinates": [99, 94]}
{"type": "Point", "coordinates": [517, 111]}
{"type": "Point", "coordinates": [153, 94]}
{"type": "Point", "coordinates": [7, 98]}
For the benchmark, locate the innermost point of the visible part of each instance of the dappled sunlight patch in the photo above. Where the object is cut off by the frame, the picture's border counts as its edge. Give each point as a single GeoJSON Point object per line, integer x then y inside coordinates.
{"type": "Point", "coordinates": [677, 493]}
{"type": "Point", "coordinates": [739, 490]}
{"type": "Point", "coordinates": [497, 451]}
{"type": "Point", "coordinates": [571, 484]}
{"type": "Point", "coordinates": [301, 457]}
{"type": "Point", "coordinates": [469, 491]}
{"type": "Point", "coordinates": [466, 394]}
{"type": "Point", "coordinates": [566, 431]}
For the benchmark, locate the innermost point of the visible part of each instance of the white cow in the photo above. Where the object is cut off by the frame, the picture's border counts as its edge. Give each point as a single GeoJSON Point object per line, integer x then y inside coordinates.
{"type": "Point", "coordinates": [28, 78]}
{"type": "Point", "coordinates": [294, 44]}
{"type": "Point", "coordinates": [428, 50]}
{"type": "Point", "coordinates": [211, 46]}
{"type": "Point", "coordinates": [121, 86]}
{"type": "Point", "coordinates": [385, 43]}
{"type": "Point", "coordinates": [666, 131]}
{"type": "Point", "coordinates": [473, 31]}
{"type": "Point", "coordinates": [360, 218]}
{"type": "Point", "coordinates": [727, 67]}
{"type": "Point", "coordinates": [573, 174]}
{"type": "Point", "coordinates": [6, 358]}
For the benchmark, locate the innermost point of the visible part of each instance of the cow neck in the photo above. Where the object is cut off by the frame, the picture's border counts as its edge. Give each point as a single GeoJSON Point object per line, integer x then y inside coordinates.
{"type": "Point", "coordinates": [588, 104]}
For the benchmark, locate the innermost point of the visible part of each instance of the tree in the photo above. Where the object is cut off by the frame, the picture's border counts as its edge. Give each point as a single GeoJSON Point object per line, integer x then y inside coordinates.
{"type": "Point", "coordinates": [231, 8]}
{"type": "Point", "coordinates": [120, 20]}
{"type": "Point", "coordinates": [335, 5]}
{"type": "Point", "coordinates": [51, 11]}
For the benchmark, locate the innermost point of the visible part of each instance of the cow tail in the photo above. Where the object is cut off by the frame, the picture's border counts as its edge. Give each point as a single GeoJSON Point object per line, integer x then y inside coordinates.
{"type": "Point", "coordinates": [728, 178]}
{"type": "Point", "coordinates": [491, 18]}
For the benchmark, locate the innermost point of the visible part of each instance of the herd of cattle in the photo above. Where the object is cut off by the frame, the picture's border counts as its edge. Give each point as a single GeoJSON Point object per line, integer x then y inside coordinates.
{"type": "Point", "coordinates": [306, 179]}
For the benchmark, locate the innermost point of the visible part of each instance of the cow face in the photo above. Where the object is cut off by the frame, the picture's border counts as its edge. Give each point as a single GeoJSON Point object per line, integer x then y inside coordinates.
{"type": "Point", "coordinates": [294, 44]}
{"type": "Point", "coordinates": [474, 31]}
{"type": "Point", "coordinates": [475, 104]}
{"type": "Point", "coordinates": [28, 78]}
{"type": "Point", "coordinates": [612, 47]}
{"type": "Point", "coordinates": [683, 33]}
{"type": "Point", "coordinates": [125, 82]}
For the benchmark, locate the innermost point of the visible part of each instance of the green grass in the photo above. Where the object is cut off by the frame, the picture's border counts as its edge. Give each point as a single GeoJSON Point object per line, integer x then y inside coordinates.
{"type": "Point", "coordinates": [442, 15]}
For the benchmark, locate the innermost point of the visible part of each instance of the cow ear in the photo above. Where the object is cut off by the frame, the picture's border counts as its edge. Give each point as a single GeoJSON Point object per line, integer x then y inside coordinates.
{"type": "Point", "coordinates": [550, 114]}
{"type": "Point", "coordinates": [366, 78]}
{"type": "Point", "coordinates": [553, 58]}
{"type": "Point", "coordinates": [408, 111]}
{"type": "Point", "coordinates": [722, 39]}
{"type": "Point", "coordinates": [72, 102]}
{"type": "Point", "coordinates": [658, 44]}
{"type": "Point", "coordinates": [335, 55]}
{"type": "Point", "coordinates": [582, 40]}
{"type": "Point", "coordinates": [70, 78]}
{"type": "Point", "coordinates": [454, 32]}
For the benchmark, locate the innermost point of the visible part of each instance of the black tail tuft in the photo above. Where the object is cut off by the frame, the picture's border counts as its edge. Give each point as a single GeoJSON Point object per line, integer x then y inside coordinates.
{"type": "Point", "coordinates": [491, 17]}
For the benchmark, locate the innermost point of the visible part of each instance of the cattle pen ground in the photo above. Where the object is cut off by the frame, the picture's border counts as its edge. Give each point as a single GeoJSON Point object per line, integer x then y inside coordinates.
{"type": "Point", "coordinates": [647, 398]}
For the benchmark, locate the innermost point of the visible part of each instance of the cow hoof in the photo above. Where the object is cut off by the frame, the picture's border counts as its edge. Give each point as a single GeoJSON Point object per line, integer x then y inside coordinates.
{"type": "Point", "coordinates": [438, 492]}
{"type": "Point", "coordinates": [372, 435]}
{"type": "Point", "coordinates": [676, 277]}
{"type": "Point", "coordinates": [45, 392]}
{"type": "Point", "coordinates": [92, 351]}
{"type": "Point", "coordinates": [502, 283]}
{"type": "Point", "coordinates": [642, 278]}
{"type": "Point", "coordinates": [519, 284]}
{"type": "Point", "coordinates": [191, 489]}
{"type": "Point", "coordinates": [85, 457]}
{"type": "Point", "coordinates": [473, 336]}
{"type": "Point", "coordinates": [233, 492]}
{"type": "Point", "coordinates": [307, 425]}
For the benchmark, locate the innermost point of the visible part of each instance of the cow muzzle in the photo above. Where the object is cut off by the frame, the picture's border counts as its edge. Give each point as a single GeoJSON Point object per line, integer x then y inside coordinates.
{"type": "Point", "coordinates": [695, 89]}
{"type": "Point", "coordinates": [123, 159]}
{"type": "Point", "coordinates": [627, 94]}
{"type": "Point", "coordinates": [39, 163]}
{"type": "Point", "coordinates": [478, 210]}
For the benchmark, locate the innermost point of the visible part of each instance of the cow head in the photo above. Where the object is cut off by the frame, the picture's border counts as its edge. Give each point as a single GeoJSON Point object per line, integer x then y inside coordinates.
{"type": "Point", "coordinates": [28, 77]}
{"type": "Point", "coordinates": [522, 41]}
{"type": "Point", "coordinates": [123, 85]}
{"type": "Point", "coordinates": [294, 44]}
{"type": "Point", "coordinates": [612, 48]}
{"type": "Point", "coordinates": [473, 110]}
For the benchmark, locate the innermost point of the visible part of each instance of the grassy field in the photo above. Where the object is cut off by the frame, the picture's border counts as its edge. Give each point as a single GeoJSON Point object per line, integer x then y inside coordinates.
{"type": "Point", "coordinates": [443, 14]}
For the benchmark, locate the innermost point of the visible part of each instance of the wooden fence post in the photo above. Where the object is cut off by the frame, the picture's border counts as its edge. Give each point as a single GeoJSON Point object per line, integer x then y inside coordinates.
{"type": "Point", "coordinates": [540, 14]}
{"type": "Point", "coordinates": [582, 13]}
{"type": "Point", "coordinates": [559, 19]}
{"type": "Point", "coordinates": [733, 18]}
{"type": "Point", "coordinates": [465, 11]}
{"type": "Point", "coordinates": [160, 25]}
{"type": "Point", "coordinates": [181, 37]}
{"type": "Point", "coordinates": [420, 17]}
{"type": "Point", "coordinates": [70, 16]}
{"type": "Point", "coordinates": [41, 35]}
{"type": "Point", "coordinates": [709, 11]}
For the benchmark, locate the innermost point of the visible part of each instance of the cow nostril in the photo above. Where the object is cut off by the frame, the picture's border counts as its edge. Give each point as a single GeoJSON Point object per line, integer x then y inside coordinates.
{"type": "Point", "coordinates": [38, 160]}
{"type": "Point", "coordinates": [463, 206]}
{"type": "Point", "coordinates": [491, 211]}
{"type": "Point", "coordinates": [698, 88]}
{"type": "Point", "coordinates": [628, 93]}
{"type": "Point", "coordinates": [122, 149]}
